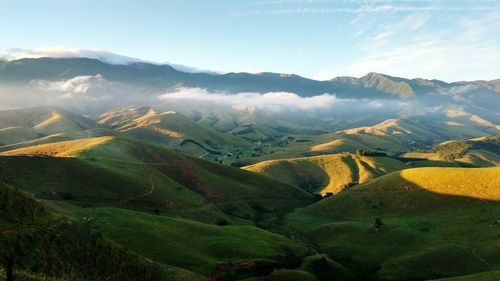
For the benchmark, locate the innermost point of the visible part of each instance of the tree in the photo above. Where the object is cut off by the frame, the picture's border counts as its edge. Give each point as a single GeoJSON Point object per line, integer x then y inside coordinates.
{"type": "Point", "coordinates": [378, 224]}
{"type": "Point", "coordinates": [9, 268]}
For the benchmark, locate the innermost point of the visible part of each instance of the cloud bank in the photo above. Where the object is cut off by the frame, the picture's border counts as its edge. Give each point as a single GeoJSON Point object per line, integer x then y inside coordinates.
{"type": "Point", "coordinates": [271, 100]}
{"type": "Point", "coordinates": [280, 101]}
{"type": "Point", "coordinates": [76, 85]}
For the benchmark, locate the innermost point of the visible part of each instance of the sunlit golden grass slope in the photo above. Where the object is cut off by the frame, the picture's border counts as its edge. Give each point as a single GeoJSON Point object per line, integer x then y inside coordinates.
{"type": "Point", "coordinates": [45, 120]}
{"type": "Point", "coordinates": [60, 149]}
{"type": "Point", "coordinates": [483, 153]}
{"type": "Point", "coordinates": [395, 135]}
{"type": "Point", "coordinates": [166, 128]}
{"type": "Point", "coordinates": [411, 187]}
{"type": "Point", "coordinates": [327, 173]}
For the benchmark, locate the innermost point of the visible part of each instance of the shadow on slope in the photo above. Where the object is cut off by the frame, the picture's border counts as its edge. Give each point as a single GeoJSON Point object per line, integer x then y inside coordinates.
{"type": "Point", "coordinates": [40, 243]}
{"type": "Point", "coordinates": [130, 173]}
{"type": "Point", "coordinates": [414, 224]}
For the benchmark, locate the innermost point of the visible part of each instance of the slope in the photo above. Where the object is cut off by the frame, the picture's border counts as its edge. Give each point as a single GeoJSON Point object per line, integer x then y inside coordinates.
{"type": "Point", "coordinates": [170, 129]}
{"type": "Point", "coordinates": [137, 174]}
{"type": "Point", "coordinates": [41, 243]}
{"type": "Point", "coordinates": [397, 226]}
{"type": "Point", "coordinates": [28, 126]}
{"type": "Point", "coordinates": [394, 135]}
{"type": "Point", "coordinates": [476, 152]}
{"type": "Point", "coordinates": [171, 208]}
{"type": "Point", "coordinates": [327, 173]}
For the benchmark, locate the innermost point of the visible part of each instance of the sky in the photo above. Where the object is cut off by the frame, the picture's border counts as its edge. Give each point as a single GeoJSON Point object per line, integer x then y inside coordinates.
{"type": "Point", "coordinates": [450, 40]}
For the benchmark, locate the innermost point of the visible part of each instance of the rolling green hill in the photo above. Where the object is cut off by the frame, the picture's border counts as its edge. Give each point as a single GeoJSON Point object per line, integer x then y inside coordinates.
{"type": "Point", "coordinates": [44, 245]}
{"type": "Point", "coordinates": [327, 173]}
{"type": "Point", "coordinates": [44, 121]}
{"type": "Point", "coordinates": [166, 206]}
{"type": "Point", "coordinates": [477, 152]}
{"type": "Point", "coordinates": [397, 226]}
{"type": "Point", "coordinates": [134, 173]}
{"type": "Point", "coordinates": [483, 276]}
{"type": "Point", "coordinates": [38, 125]}
{"type": "Point", "coordinates": [170, 129]}
{"type": "Point", "coordinates": [395, 135]}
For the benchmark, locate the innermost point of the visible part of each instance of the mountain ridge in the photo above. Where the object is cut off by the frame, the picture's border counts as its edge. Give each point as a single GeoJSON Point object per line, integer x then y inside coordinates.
{"type": "Point", "coordinates": [164, 76]}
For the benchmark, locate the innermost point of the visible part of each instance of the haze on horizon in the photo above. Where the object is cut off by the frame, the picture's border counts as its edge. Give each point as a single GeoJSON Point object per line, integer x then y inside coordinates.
{"type": "Point", "coordinates": [319, 39]}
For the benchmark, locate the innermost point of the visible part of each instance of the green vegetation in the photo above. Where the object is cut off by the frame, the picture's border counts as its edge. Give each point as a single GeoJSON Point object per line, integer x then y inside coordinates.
{"type": "Point", "coordinates": [189, 212]}
{"type": "Point", "coordinates": [140, 176]}
{"type": "Point", "coordinates": [478, 152]}
{"type": "Point", "coordinates": [196, 246]}
{"type": "Point", "coordinates": [120, 205]}
{"type": "Point", "coordinates": [327, 173]}
{"type": "Point", "coordinates": [35, 239]}
{"type": "Point", "coordinates": [426, 213]}
{"type": "Point", "coordinates": [483, 276]}
{"type": "Point", "coordinates": [453, 150]}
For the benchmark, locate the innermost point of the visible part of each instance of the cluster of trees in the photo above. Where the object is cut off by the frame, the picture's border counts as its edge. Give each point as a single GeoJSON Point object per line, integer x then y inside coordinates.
{"type": "Point", "coordinates": [365, 152]}
{"type": "Point", "coordinates": [453, 150]}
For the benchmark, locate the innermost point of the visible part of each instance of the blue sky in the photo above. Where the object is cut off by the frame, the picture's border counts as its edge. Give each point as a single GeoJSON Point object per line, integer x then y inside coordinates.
{"type": "Point", "coordinates": [448, 39]}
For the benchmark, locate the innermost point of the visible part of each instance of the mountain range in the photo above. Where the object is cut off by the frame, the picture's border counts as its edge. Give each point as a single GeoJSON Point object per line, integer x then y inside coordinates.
{"type": "Point", "coordinates": [140, 171]}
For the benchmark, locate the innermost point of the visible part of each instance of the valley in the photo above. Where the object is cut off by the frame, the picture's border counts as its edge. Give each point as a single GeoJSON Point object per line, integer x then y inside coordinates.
{"type": "Point", "coordinates": [195, 180]}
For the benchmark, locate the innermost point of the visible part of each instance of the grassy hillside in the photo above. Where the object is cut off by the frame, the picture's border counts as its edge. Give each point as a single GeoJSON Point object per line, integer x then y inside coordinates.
{"type": "Point", "coordinates": [327, 173]}
{"type": "Point", "coordinates": [138, 175]}
{"type": "Point", "coordinates": [477, 152]}
{"type": "Point", "coordinates": [45, 120]}
{"type": "Point", "coordinates": [397, 226]}
{"type": "Point", "coordinates": [169, 128]}
{"type": "Point", "coordinates": [182, 211]}
{"type": "Point", "coordinates": [186, 243]}
{"type": "Point", "coordinates": [395, 135]}
{"type": "Point", "coordinates": [43, 245]}
{"type": "Point", "coordinates": [483, 276]}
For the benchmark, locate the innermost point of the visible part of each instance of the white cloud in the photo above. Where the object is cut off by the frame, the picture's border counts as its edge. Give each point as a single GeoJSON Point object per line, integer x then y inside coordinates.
{"type": "Point", "coordinates": [278, 102]}
{"type": "Point", "coordinates": [75, 85]}
{"type": "Point", "coordinates": [273, 100]}
{"type": "Point", "coordinates": [64, 52]}
{"type": "Point", "coordinates": [367, 8]}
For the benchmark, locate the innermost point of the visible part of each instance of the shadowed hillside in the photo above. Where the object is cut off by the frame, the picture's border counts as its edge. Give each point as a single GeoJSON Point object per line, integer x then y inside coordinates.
{"type": "Point", "coordinates": [182, 211]}
{"type": "Point", "coordinates": [133, 173]}
{"type": "Point", "coordinates": [40, 243]}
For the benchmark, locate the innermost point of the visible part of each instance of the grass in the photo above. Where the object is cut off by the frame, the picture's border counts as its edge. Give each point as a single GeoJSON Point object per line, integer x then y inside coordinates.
{"type": "Point", "coordinates": [45, 245]}
{"type": "Point", "coordinates": [113, 171]}
{"type": "Point", "coordinates": [483, 276]}
{"type": "Point", "coordinates": [327, 173]}
{"type": "Point", "coordinates": [477, 152]}
{"type": "Point", "coordinates": [185, 243]}
{"type": "Point", "coordinates": [480, 158]}
{"type": "Point", "coordinates": [167, 128]}
{"type": "Point", "coordinates": [428, 215]}
{"type": "Point", "coordinates": [11, 135]}
{"type": "Point", "coordinates": [69, 148]}
{"type": "Point", "coordinates": [286, 275]}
